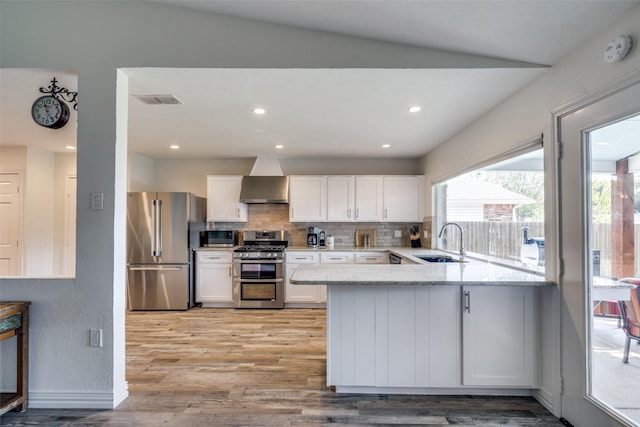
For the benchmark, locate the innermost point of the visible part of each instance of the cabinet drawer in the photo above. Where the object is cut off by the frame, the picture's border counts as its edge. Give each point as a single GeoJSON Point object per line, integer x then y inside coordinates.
{"type": "Point", "coordinates": [372, 258]}
{"type": "Point", "coordinates": [303, 257]}
{"type": "Point", "coordinates": [337, 257]}
{"type": "Point", "coordinates": [214, 257]}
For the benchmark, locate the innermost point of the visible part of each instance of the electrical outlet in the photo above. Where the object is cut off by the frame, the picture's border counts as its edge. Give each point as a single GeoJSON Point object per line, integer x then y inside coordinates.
{"type": "Point", "coordinates": [425, 233]}
{"type": "Point", "coordinates": [96, 337]}
{"type": "Point", "coordinates": [397, 233]}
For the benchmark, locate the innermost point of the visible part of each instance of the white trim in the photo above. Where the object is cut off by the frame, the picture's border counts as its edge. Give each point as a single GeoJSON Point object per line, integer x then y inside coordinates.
{"type": "Point", "coordinates": [597, 95]}
{"type": "Point", "coordinates": [526, 147]}
{"type": "Point", "coordinates": [436, 391]}
{"type": "Point", "coordinates": [77, 399]}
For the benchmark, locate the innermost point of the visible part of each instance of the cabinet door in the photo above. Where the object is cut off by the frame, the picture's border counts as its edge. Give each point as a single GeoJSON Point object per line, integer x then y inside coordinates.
{"type": "Point", "coordinates": [223, 195]}
{"type": "Point", "coordinates": [298, 294]}
{"type": "Point", "coordinates": [368, 198]}
{"type": "Point", "coordinates": [213, 283]}
{"type": "Point", "coordinates": [402, 198]}
{"type": "Point", "coordinates": [372, 257]}
{"type": "Point", "coordinates": [340, 198]}
{"type": "Point", "coordinates": [499, 330]}
{"type": "Point", "coordinates": [307, 198]}
{"type": "Point", "coordinates": [331, 257]}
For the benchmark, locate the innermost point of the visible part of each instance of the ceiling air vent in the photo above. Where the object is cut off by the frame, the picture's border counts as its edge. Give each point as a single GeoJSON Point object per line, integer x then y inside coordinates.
{"type": "Point", "coordinates": [158, 99]}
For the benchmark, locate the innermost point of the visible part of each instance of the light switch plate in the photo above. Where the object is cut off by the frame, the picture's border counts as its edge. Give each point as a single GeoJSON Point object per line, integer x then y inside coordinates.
{"type": "Point", "coordinates": [397, 233]}
{"type": "Point", "coordinates": [97, 201]}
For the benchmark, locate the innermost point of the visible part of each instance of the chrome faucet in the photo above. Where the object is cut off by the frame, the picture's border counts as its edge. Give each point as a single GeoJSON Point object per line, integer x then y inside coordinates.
{"type": "Point", "coordinates": [462, 252]}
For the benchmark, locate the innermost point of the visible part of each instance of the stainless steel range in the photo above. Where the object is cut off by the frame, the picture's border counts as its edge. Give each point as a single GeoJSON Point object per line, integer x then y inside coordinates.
{"type": "Point", "coordinates": [258, 276]}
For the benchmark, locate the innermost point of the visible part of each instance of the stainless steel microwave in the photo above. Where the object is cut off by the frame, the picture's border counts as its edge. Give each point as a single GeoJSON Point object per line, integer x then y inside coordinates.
{"type": "Point", "coordinates": [218, 238]}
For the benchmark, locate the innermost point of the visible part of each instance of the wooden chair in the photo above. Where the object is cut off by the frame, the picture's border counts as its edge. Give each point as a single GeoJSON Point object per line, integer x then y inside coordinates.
{"type": "Point", "coordinates": [630, 314]}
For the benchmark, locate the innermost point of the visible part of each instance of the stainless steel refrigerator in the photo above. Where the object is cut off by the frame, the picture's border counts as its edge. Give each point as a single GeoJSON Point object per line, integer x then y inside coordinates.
{"type": "Point", "coordinates": [162, 230]}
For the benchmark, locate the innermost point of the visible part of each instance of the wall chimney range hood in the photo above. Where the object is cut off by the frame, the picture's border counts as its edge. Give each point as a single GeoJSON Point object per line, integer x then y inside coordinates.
{"type": "Point", "coordinates": [266, 184]}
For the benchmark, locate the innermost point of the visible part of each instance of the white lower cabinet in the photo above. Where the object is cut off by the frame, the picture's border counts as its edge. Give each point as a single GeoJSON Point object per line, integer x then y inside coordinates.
{"type": "Point", "coordinates": [310, 295]}
{"type": "Point", "coordinates": [441, 337]}
{"type": "Point", "coordinates": [499, 336]}
{"type": "Point", "coordinates": [372, 257]}
{"type": "Point", "coordinates": [214, 278]}
{"type": "Point", "coordinates": [393, 336]}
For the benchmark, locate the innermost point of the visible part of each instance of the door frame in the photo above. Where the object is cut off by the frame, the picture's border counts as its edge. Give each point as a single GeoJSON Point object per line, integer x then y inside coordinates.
{"type": "Point", "coordinates": [574, 400]}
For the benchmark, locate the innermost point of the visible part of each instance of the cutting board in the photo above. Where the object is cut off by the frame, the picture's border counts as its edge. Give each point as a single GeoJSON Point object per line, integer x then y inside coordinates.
{"type": "Point", "coordinates": [360, 237]}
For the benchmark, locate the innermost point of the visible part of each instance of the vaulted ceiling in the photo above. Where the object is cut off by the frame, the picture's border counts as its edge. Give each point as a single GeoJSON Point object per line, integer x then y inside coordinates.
{"type": "Point", "coordinates": [338, 112]}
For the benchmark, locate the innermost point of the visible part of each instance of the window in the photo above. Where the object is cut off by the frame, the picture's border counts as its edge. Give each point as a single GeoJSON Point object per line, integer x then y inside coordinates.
{"type": "Point", "coordinates": [500, 207]}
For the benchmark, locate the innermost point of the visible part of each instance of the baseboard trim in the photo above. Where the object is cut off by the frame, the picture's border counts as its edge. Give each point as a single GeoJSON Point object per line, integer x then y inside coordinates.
{"type": "Point", "coordinates": [77, 399]}
{"type": "Point", "coordinates": [435, 391]}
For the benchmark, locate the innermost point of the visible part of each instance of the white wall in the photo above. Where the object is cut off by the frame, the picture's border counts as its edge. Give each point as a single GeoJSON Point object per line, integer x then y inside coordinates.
{"type": "Point", "coordinates": [65, 371]}
{"type": "Point", "coordinates": [190, 175]}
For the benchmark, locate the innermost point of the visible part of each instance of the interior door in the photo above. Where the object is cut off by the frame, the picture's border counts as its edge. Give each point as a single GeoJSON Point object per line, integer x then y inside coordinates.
{"type": "Point", "coordinates": [10, 224]}
{"type": "Point", "coordinates": [578, 406]}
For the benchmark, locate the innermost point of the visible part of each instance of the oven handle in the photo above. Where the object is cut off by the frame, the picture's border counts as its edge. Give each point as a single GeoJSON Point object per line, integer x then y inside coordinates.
{"type": "Point", "coordinates": [257, 261]}
{"type": "Point", "coordinates": [238, 279]}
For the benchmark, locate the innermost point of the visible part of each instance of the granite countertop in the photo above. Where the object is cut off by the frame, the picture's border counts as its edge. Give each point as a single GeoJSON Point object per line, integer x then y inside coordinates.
{"type": "Point", "coordinates": [470, 272]}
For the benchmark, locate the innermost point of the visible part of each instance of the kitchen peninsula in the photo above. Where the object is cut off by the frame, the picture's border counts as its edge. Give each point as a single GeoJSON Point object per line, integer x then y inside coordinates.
{"type": "Point", "coordinates": [429, 328]}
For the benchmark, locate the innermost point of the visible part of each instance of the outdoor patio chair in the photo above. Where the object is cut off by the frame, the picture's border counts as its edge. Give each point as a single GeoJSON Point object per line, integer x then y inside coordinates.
{"type": "Point", "coordinates": [630, 314]}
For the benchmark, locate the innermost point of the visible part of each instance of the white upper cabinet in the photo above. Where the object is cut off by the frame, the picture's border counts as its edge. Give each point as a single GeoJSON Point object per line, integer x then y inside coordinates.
{"type": "Point", "coordinates": [403, 198]}
{"type": "Point", "coordinates": [368, 198]}
{"type": "Point", "coordinates": [341, 198]}
{"type": "Point", "coordinates": [307, 198]}
{"type": "Point", "coordinates": [223, 199]}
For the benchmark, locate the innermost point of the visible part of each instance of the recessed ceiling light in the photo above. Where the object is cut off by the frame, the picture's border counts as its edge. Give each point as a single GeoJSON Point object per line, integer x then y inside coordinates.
{"type": "Point", "coordinates": [602, 143]}
{"type": "Point", "coordinates": [386, 145]}
{"type": "Point", "coordinates": [279, 146]}
{"type": "Point", "coordinates": [259, 111]}
{"type": "Point", "coordinates": [70, 147]}
{"type": "Point", "coordinates": [174, 147]}
{"type": "Point", "coordinates": [414, 109]}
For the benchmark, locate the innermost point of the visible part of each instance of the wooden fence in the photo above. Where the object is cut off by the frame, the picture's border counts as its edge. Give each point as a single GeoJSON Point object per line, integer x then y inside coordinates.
{"type": "Point", "coordinates": [503, 240]}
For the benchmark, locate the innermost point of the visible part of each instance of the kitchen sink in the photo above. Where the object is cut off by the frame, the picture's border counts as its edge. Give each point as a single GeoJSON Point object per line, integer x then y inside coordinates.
{"type": "Point", "coordinates": [437, 258]}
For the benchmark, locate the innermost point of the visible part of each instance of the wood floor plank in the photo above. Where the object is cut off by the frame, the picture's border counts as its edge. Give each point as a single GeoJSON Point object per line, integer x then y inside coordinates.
{"type": "Point", "coordinates": [226, 367]}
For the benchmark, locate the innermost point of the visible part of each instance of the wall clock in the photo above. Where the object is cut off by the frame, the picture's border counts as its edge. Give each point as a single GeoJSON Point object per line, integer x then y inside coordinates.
{"type": "Point", "coordinates": [50, 112]}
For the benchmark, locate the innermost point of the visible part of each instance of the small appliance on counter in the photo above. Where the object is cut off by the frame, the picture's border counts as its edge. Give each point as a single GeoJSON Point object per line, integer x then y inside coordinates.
{"type": "Point", "coordinates": [313, 237]}
{"type": "Point", "coordinates": [218, 238]}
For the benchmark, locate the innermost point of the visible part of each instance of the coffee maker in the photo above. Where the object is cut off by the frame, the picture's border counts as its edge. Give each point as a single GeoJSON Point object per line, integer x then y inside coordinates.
{"type": "Point", "coordinates": [313, 237]}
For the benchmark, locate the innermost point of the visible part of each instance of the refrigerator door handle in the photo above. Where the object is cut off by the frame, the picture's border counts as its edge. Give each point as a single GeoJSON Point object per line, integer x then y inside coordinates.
{"type": "Point", "coordinates": [156, 248]}
{"type": "Point", "coordinates": [155, 268]}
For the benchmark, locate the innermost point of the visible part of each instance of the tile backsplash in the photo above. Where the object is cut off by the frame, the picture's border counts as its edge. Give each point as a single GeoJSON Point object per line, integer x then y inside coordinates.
{"type": "Point", "coordinates": [276, 217]}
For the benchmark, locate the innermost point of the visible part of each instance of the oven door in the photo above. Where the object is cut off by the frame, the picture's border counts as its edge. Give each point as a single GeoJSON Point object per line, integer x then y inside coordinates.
{"type": "Point", "coordinates": [259, 293]}
{"type": "Point", "coordinates": [257, 269]}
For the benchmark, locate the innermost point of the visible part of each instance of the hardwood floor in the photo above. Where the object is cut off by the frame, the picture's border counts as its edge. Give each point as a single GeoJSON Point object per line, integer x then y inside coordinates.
{"type": "Point", "coordinates": [224, 367]}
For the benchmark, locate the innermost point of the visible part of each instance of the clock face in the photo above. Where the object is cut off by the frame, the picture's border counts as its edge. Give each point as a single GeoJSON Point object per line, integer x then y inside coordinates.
{"type": "Point", "coordinates": [49, 112]}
